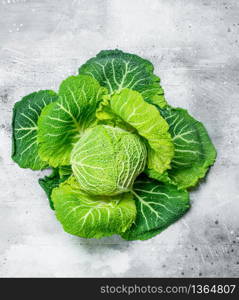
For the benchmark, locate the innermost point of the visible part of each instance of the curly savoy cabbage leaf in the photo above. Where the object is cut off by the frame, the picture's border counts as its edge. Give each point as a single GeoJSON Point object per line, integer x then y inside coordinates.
{"type": "Point", "coordinates": [25, 116]}
{"type": "Point", "coordinates": [63, 122]}
{"type": "Point", "coordinates": [106, 160]}
{"type": "Point", "coordinates": [117, 70]}
{"type": "Point", "coordinates": [92, 216]}
{"type": "Point", "coordinates": [158, 206]}
{"type": "Point", "coordinates": [194, 151]}
{"type": "Point", "coordinates": [48, 183]}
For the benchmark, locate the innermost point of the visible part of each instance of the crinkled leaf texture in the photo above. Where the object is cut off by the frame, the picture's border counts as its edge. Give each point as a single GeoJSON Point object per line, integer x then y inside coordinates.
{"type": "Point", "coordinates": [106, 160]}
{"type": "Point", "coordinates": [194, 151]}
{"type": "Point", "coordinates": [65, 170]}
{"type": "Point", "coordinates": [92, 216]}
{"type": "Point", "coordinates": [145, 118]}
{"type": "Point", "coordinates": [24, 128]}
{"type": "Point", "coordinates": [62, 123]}
{"type": "Point", "coordinates": [115, 70]}
{"type": "Point", "coordinates": [158, 206]}
{"type": "Point", "coordinates": [162, 177]}
{"type": "Point", "coordinates": [48, 183]}
{"type": "Point", "coordinates": [106, 116]}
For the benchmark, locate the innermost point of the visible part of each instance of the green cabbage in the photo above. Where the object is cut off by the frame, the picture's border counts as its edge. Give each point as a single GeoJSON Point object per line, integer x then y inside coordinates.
{"type": "Point", "coordinates": [122, 158]}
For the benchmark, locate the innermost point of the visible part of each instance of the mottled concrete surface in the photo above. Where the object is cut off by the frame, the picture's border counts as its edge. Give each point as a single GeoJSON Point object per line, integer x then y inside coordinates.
{"type": "Point", "coordinates": [194, 47]}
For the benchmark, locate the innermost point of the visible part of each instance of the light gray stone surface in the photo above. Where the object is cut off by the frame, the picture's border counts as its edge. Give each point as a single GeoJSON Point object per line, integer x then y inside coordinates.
{"type": "Point", "coordinates": [194, 47]}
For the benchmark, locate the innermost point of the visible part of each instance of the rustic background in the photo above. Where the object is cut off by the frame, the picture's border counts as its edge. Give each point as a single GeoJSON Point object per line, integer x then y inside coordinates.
{"type": "Point", "coordinates": [194, 47]}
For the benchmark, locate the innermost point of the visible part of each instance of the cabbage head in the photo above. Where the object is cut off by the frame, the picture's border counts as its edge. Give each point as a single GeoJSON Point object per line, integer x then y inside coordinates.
{"type": "Point", "coordinates": [122, 159]}
{"type": "Point", "coordinates": [106, 160]}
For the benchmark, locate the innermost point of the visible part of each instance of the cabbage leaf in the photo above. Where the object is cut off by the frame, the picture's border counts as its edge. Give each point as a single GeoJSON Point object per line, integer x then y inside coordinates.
{"type": "Point", "coordinates": [116, 70]}
{"type": "Point", "coordinates": [158, 206]}
{"type": "Point", "coordinates": [63, 122]}
{"type": "Point", "coordinates": [48, 183]}
{"type": "Point", "coordinates": [92, 216]}
{"type": "Point", "coordinates": [194, 151]}
{"type": "Point", "coordinates": [24, 129]}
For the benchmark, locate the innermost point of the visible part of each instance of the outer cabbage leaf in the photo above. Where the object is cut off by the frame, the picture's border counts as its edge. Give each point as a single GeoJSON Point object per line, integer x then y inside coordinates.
{"type": "Point", "coordinates": [162, 177]}
{"type": "Point", "coordinates": [106, 116]}
{"type": "Point", "coordinates": [116, 70]}
{"type": "Point", "coordinates": [62, 122]}
{"type": "Point", "coordinates": [24, 128]}
{"type": "Point", "coordinates": [106, 160]}
{"type": "Point", "coordinates": [158, 206]}
{"type": "Point", "coordinates": [145, 118]}
{"type": "Point", "coordinates": [48, 183]}
{"type": "Point", "coordinates": [194, 151]}
{"type": "Point", "coordinates": [65, 170]}
{"type": "Point", "coordinates": [92, 216]}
